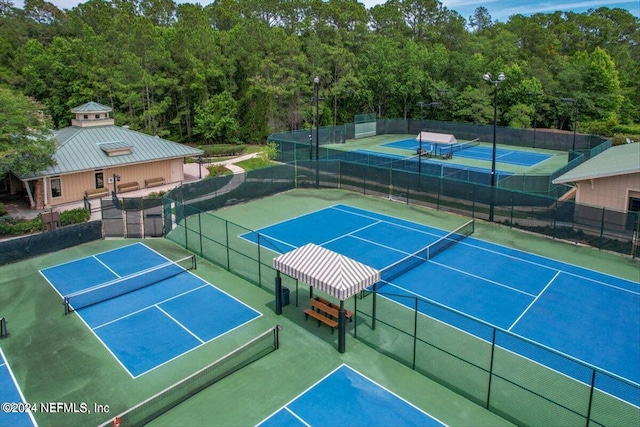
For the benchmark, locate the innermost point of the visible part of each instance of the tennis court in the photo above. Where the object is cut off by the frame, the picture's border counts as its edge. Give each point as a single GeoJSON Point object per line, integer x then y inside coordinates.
{"type": "Point", "coordinates": [15, 414]}
{"type": "Point", "coordinates": [561, 306]}
{"type": "Point", "coordinates": [145, 309]}
{"type": "Point", "coordinates": [444, 169]}
{"type": "Point", "coordinates": [472, 150]}
{"type": "Point", "coordinates": [347, 398]}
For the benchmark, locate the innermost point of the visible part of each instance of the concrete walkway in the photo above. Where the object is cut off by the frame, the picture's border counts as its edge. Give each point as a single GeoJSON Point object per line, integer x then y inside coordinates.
{"type": "Point", "coordinates": [191, 174]}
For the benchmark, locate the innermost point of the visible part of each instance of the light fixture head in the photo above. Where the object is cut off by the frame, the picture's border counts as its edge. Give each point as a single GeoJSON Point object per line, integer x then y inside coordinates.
{"type": "Point", "coordinates": [316, 80]}
{"type": "Point", "coordinates": [487, 77]}
{"type": "Point", "coordinates": [501, 77]}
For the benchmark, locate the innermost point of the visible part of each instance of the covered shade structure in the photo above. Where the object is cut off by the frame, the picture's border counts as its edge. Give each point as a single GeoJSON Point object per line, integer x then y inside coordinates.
{"type": "Point", "coordinates": [436, 138]}
{"type": "Point", "coordinates": [333, 273]}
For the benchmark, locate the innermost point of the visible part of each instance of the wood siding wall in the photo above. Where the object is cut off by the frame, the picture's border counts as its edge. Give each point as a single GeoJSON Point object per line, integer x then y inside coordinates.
{"type": "Point", "coordinates": [74, 185]}
{"type": "Point", "coordinates": [612, 192]}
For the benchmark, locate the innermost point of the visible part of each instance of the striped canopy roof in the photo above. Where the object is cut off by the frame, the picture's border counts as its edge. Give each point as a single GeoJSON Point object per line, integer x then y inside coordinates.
{"type": "Point", "coordinates": [438, 138]}
{"type": "Point", "coordinates": [335, 274]}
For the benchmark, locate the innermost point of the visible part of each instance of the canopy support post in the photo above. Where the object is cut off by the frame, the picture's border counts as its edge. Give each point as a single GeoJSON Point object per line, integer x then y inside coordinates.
{"type": "Point", "coordinates": [373, 308]}
{"type": "Point", "coordinates": [342, 326]}
{"type": "Point", "coordinates": [278, 290]}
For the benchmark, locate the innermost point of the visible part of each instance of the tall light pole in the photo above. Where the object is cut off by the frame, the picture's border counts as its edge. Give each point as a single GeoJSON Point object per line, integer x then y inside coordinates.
{"type": "Point", "coordinates": [575, 118]}
{"type": "Point", "coordinates": [316, 85]}
{"type": "Point", "coordinates": [489, 79]}
{"type": "Point", "coordinates": [535, 114]}
{"type": "Point", "coordinates": [421, 104]}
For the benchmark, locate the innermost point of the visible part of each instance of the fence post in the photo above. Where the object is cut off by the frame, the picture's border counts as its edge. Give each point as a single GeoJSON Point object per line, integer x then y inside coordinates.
{"type": "Point", "coordinates": [602, 228]}
{"type": "Point", "coordinates": [200, 230]}
{"type": "Point", "coordinates": [592, 386]}
{"type": "Point", "coordinates": [636, 236]}
{"type": "Point", "coordinates": [493, 347]}
{"type": "Point", "coordinates": [415, 332]}
{"type": "Point", "coordinates": [259, 264]}
{"type": "Point", "coordinates": [226, 235]}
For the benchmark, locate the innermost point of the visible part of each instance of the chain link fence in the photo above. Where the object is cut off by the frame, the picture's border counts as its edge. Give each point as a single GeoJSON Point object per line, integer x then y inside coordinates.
{"type": "Point", "coordinates": [490, 366]}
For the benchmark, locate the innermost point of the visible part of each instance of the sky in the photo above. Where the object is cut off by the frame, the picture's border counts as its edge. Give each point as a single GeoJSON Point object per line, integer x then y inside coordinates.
{"type": "Point", "coordinates": [498, 9]}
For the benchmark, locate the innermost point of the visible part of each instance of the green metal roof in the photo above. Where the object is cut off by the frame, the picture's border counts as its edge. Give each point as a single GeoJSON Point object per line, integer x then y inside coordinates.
{"type": "Point", "coordinates": [81, 149]}
{"type": "Point", "coordinates": [618, 160]}
{"type": "Point", "coordinates": [91, 107]}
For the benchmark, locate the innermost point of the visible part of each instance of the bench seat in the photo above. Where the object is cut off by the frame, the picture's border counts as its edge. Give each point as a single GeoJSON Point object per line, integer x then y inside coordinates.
{"type": "Point", "coordinates": [154, 182]}
{"type": "Point", "coordinates": [96, 192]}
{"type": "Point", "coordinates": [320, 318]}
{"type": "Point", "coordinates": [348, 314]}
{"type": "Point", "coordinates": [128, 186]}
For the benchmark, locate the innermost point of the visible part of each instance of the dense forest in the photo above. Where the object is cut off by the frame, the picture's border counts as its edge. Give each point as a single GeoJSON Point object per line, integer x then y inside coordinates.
{"type": "Point", "coordinates": [238, 70]}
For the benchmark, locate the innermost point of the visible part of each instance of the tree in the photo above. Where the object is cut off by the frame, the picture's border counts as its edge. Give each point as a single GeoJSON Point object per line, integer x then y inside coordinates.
{"type": "Point", "coordinates": [481, 19]}
{"type": "Point", "coordinates": [216, 119]}
{"type": "Point", "coordinates": [26, 143]}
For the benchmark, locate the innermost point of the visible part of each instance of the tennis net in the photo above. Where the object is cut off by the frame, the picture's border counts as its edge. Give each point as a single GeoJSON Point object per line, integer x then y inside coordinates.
{"type": "Point", "coordinates": [170, 397]}
{"type": "Point", "coordinates": [417, 258]}
{"type": "Point", "coordinates": [450, 149]}
{"type": "Point", "coordinates": [126, 284]}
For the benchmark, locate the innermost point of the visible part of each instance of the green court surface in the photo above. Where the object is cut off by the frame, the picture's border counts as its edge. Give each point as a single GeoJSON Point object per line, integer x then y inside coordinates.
{"type": "Point", "coordinates": [56, 358]}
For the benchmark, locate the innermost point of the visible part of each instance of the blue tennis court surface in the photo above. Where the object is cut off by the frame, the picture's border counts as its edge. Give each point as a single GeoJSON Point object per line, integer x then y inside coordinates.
{"type": "Point", "coordinates": [347, 398]}
{"type": "Point", "coordinates": [582, 313]}
{"type": "Point", "coordinates": [446, 168]}
{"type": "Point", "coordinates": [150, 326]}
{"type": "Point", "coordinates": [12, 413]}
{"type": "Point", "coordinates": [512, 157]}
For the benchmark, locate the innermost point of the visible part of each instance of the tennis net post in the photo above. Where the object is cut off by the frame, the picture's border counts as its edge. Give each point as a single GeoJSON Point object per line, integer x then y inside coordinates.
{"type": "Point", "coordinates": [124, 285]}
{"type": "Point", "coordinates": [150, 409]}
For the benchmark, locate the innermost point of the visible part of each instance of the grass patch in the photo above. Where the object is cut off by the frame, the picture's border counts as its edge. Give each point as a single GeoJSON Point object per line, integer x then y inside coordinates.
{"type": "Point", "coordinates": [218, 170]}
{"type": "Point", "coordinates": [255, 163]}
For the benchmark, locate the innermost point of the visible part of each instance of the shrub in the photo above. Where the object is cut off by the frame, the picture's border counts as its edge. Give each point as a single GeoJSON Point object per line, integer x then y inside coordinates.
{"type": "Point", "coordinates": [19, 226]}
{"type": "Point", "coordinates": [74, 216]}
{"type": "Point", "coordinates": [3, 212]}
{"type": "Point", "coordinates": [223, 150]}
{"type": "Point", "coordinates": [217, 170]}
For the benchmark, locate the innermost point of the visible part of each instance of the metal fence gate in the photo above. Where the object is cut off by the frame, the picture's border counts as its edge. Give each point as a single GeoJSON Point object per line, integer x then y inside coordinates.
{"type": "Point", "coordinates": [134, 217]}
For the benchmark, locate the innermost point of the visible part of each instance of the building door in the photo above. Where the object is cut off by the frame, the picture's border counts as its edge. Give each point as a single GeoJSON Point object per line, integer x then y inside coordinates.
{"type": "Point", "coordinates": [99, 179]}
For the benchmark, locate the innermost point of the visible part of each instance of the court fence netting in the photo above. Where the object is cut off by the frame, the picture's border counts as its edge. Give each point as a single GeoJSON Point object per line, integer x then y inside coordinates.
{"type": "Point", "coordinates": [158, 404]}
{"type": "Point", "coordinates": [297, 145]}
{"type": "Point", "coordinates": [520, 380]}
{"type": "Point", "coordinates": [521, 390]}
{"type": "Point", "coordinates": [127, 284]}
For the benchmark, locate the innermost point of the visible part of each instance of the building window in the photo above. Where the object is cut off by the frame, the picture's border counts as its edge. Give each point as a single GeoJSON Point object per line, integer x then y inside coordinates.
{"type": "Point", "coordinates": [99, 179]}
{"type": "Point", "coordinates": [634, 204]}
{"type": "Point", "coordinates": [97, 116]}
{"type": "Point", "coordinates": [86, 116]}
{"type": "Point", "coordinates": [56, 188]}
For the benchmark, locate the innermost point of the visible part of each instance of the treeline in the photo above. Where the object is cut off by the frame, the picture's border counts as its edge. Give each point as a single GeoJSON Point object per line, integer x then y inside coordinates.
{"type": "Point", "coordinates": [238, 70]}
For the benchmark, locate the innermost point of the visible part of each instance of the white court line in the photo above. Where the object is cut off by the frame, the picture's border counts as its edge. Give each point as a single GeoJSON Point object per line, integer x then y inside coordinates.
{"type": "Point", "coordinates": [13, 378]}
{"type": "Point", "coordinates": [466, 273]}
{"type": "Point", "coordinates": [534, 301]}
{"type": "Point", "coordinates": [179, 324]}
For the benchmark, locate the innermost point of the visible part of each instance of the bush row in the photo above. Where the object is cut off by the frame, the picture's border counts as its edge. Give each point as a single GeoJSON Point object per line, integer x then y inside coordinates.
{"type": "Point", "coordinates": [222, 150]}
